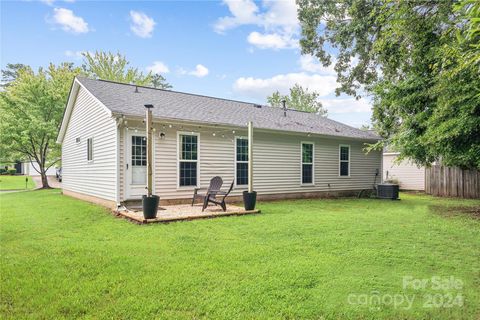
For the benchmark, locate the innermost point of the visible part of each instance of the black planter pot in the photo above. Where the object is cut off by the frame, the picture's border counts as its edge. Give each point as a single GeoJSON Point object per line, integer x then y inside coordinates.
{"type": "Point", "coordinates": [150, 206]}
{"type": "Point", "coordinates": [249, 200]}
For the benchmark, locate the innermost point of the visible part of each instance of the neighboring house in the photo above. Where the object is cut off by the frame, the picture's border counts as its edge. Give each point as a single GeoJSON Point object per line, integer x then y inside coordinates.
{"type": "Point", "coordinates": [408, 174]}
{"type": "Point", "coordinates": [32, 169]}
{"type": "Point", "coordinates": [296, 154]}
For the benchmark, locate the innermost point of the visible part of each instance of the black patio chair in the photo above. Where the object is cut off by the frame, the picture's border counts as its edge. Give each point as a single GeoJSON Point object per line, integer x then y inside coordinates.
{"type": "Point", "coordinates": [213, 188]}
{"type": "Point", "coordinates": [212, 198]}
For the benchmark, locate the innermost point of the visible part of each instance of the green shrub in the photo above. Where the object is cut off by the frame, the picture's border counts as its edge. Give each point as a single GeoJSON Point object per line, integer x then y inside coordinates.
{"type": "Point", "coordinates": [3, 170]}
{"type": "Point", "coordinates": [12, 171]}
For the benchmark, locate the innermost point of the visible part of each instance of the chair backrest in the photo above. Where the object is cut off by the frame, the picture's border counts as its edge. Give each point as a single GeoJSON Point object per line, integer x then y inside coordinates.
{"type": "Point", "coordinates": [230, 189]}
{"type": "Point", "coordinates": [215, 184]}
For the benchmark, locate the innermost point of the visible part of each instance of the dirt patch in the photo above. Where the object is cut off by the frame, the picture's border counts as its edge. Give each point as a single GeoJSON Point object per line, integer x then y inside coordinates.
{"type": "Point", "coordinates": [455, 211]}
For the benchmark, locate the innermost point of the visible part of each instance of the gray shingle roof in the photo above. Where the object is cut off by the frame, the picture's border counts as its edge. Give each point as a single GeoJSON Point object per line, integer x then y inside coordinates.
{"type": "Point", "coordinates": [122, 99]}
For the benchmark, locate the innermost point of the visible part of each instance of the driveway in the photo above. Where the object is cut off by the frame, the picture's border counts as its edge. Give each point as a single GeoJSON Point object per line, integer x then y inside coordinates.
{"type": "Point", "coordinates": [52, 181]}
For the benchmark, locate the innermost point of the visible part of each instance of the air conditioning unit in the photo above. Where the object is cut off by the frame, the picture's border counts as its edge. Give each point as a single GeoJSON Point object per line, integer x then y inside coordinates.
{"type": "Point", "coordinates": [387, 191]}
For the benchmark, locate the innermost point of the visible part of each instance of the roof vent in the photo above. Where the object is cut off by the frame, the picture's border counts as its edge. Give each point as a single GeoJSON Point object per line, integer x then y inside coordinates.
{"type": "Point", "coordinates": [284, 102]}
{"type": "Point", "coordinates": [257, 106]}
{"type": "Point", "coordinates": [136, 89]}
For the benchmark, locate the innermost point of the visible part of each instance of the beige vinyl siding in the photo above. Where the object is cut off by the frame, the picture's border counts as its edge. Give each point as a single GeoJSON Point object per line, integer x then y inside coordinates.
{"type": "Point", "coordinates": [89, 119]}
{"type": "Point", "coordinates": [409, 175]}
{"type": "Point", "coordinates": [277, 162]}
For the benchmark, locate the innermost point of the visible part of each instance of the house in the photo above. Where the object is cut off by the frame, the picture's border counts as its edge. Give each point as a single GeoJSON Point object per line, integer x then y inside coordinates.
{"type": "Point", "coordinates": [407, 174]}
{"type": "Point", "coordinates": [296, 154]}
{"type": "Point", "coordinates": [29, 168]}
{"type": "Point", "coordinates": [32, 168]}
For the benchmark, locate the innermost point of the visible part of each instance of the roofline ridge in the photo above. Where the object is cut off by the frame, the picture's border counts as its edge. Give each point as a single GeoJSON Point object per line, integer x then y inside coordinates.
{"type": "Point", "coordinates": [175, 91]}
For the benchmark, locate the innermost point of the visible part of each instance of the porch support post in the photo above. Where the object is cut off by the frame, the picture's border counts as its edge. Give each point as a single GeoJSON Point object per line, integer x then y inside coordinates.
{"type": "Point", "coordinates": [149, 148]}
{"type": "Point", "coordinates": [250, 156]}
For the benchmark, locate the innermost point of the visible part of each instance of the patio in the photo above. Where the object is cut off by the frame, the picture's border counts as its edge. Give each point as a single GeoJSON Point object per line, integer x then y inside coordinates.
{"type": "Point", "coordinates": [181, 212]}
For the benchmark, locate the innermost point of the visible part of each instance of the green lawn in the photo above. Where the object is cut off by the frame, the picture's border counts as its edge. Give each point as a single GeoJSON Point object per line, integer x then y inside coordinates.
{"type": "Point", "coordinates": [312, 259]}
{"type": "Point", "coordinates": [15, 182]}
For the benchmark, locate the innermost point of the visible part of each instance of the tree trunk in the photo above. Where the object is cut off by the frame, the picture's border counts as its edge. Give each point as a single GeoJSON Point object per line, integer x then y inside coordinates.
{"type": "Point", "coordinates": [43, 174]}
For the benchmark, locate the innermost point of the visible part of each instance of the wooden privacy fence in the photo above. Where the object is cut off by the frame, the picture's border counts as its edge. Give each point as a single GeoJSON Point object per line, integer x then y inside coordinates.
{"type": "Point", "coordinates": [452, 182]}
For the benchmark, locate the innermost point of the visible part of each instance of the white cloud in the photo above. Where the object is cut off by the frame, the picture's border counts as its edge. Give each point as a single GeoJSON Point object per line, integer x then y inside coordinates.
{"type": "Point", "coordinates": [346, 105]}
{"type": "Point", "coordinates": [278, 21]}
{"type": "Point", "coordinates": [258, 88]}
{"type": "Point", "coordinates": [68, 21]}
{"type": "Point", "coordinates": [158, 67]}
{"type": "Point", "coordinates": [311, 64]}
{"type": "Point", "coordinates": [271, 41]}
{"type": "Point", "coordinates": [200, 71]}
{"type": "Point", "coordinates": [74, 54]}
{"type": "Point", "coordinates": [142, 25]}
{"type": "Point", "coordinates": [78, 55]}
{"type": "Point", "coordinates": [243, 12]}
{"type": "Point", "coordinates": [50, 2]}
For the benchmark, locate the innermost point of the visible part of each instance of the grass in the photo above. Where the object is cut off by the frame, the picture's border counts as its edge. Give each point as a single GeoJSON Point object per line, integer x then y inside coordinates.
{"type": "Point", "coordinates": [64, 258]}
{"type": "Point", "coordinates": [15, 182]}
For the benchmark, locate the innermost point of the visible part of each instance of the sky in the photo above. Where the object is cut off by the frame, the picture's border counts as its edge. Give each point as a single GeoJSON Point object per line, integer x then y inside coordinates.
{"type": "Point", "coordinates": [234, 49]}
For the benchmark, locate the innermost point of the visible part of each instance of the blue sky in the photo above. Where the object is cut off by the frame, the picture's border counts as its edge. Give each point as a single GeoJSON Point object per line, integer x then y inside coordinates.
{"type": "Point", "coordinates": [235, 49]}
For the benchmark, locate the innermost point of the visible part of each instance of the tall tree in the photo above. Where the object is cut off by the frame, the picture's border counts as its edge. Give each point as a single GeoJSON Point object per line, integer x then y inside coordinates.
{"type": "Point", "coordinates": [115, 67]}
{"type": "Point", "coordinates": [404, 53]}
{"type": "Point", "coordinates": [10, 73]}
{"type": "Point", "coordinates": [299, 99]}
{"type": "Point", "coordinates": [159, 81]}
{"type": "Point", "coordinates": [31, 108]}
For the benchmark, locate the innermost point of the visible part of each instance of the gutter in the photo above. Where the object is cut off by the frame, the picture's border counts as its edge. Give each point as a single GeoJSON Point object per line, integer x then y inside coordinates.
{"type": "Point", "coordinates": [227, 126]}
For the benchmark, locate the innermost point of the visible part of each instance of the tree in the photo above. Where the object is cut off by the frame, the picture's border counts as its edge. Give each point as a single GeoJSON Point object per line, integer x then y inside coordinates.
{"type": "Point", "coordinates": [406, 54]}
{"type": "Point", "coordinates": [299, 99]}
{"type": "Point", "coordinates": [158, 81]}
{"type": "Point", "coordinates": [31, 109]}
{"type": "Point", "coordinates": [115, 67]}
{"type": "Point", "coordinates": [10, 73]}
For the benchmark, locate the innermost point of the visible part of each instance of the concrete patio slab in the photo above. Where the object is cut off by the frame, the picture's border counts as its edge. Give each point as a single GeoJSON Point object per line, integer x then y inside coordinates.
{"type": "Point", "coordinates": [183, 212]}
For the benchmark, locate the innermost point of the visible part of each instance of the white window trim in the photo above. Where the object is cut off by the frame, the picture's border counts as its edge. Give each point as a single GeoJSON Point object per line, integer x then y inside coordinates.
{"type": "Point", "coordinates": [301, 163]}
{"type": "Point", "coordinates": [349, 160]}
{"type": "Point", "coordinates": [235, 161]}
{"type": "Point", "coordinates": [189, 133]}
{"type": "Point", "coordinates": [90, 160]}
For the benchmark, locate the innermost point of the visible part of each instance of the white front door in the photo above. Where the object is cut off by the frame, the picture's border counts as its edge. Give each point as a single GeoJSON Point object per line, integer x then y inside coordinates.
{"type": "Point", "coordinates": [136, 165]}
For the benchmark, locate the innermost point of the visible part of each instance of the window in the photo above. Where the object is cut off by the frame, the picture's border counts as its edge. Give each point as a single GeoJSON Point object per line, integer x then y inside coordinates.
{"type": "Point", "coordinates": [344, 161]}
{"type": "Point", "coordinates": [241, 156]}
{"type": "Point", "coordinates": [307, 163]}
{"type": "Point", "coordinates": [89, 149]}
{"type": "Point", "coordinates": [188, 160]}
